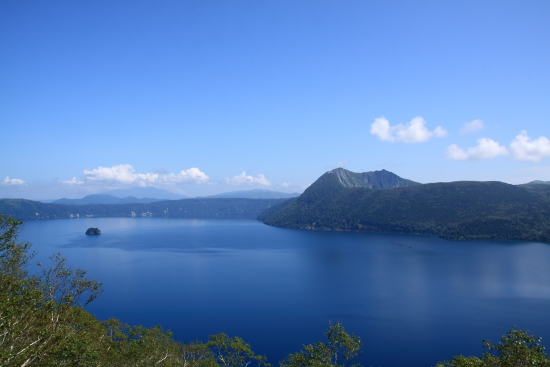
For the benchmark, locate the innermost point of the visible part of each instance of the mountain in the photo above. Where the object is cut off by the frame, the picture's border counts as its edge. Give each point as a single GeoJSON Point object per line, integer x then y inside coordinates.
{"type": "Point", "coordinates": [188, 208]}
{"type": "Point", "coordinates": [372, 180]}
{"type": "Point", "coordinates": [146, 192]}
{"type": "Point", "coordinates": [538, 182]}
{"type": "Point", "coordinates": [255, 194]}
{"type": "Point", "coordinates": [339, 200]}
{"type": "Point", "coordinates": [103, 199]}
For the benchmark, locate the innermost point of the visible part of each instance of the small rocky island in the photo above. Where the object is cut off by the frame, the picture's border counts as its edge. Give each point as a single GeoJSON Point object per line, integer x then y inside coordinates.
{"type": "Point", "coordinates": [93, 231]}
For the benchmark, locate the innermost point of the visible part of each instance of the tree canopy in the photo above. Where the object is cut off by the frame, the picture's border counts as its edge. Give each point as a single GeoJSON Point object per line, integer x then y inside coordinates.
{"type": "Point", "coordinates": [336, 352]}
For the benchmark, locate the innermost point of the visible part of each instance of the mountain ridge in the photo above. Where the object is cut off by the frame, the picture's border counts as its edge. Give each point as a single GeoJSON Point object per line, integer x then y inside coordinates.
{"type": "Point", "coordinates": [538, 182]}
{"type": "Point", "coordinates": [373, 179]}
{"type": "Point", "coordinates": [455, 210]}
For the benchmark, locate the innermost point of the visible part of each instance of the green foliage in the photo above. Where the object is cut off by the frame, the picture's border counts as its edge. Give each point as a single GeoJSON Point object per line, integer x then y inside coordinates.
{"type": "Point", "coordinates": [340, 348]}
{"type": "Point", "coordinates": [140, 346]}
{"type": "Point", "coordinates": [233, 352]}
{"type": "Point", "coordinates": [18, 293]}
{"type": "Point", "coordinates": [41, 321]}
{"type": "Point", "coordinates": [13, 254]}
{"type": "Point", "coordinates": [516, 348]}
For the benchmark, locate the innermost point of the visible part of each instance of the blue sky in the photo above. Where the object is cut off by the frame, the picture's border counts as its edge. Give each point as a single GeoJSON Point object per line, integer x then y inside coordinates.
{"type": "Point", "coordinates": [202, 97]}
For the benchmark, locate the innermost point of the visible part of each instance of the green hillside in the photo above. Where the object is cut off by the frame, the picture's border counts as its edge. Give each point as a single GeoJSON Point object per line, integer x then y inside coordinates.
{"type": "Point", "coordinates": [457, 210]}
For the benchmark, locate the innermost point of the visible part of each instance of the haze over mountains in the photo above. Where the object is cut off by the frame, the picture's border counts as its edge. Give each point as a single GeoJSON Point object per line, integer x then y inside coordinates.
{"type": "Point", "coordinates": [150, 194]}
{"type": "Point", "coordinates": [538, 182]}
{"type": "Point", "coordinates": [145, 192]}
{"type": "Point", "coordinates": [378, 201]}
{"type": "Point", "coordinates": [375, 180]}
{"type": "Point", "coordinates": [255, 194]}
{"type": "Point", "coordinates": [104, 199]}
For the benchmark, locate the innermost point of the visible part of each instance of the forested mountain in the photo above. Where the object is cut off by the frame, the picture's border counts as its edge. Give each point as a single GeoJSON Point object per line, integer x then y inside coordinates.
{"type": "Point", "coordinates": [186, 208]}
{"type": "Point", "coordinates": [456, 210]}
{"type": "Point", "coordinates": [104, 199]}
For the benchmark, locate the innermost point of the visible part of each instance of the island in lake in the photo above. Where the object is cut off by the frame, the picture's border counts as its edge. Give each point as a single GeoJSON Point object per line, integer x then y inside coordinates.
{"type": "Point", "coordinates": [93, 231]}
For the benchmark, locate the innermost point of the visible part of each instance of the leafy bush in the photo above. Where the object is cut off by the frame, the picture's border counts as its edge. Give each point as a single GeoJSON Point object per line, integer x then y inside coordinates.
{"type": "Point", "coordinates": [516, 348]}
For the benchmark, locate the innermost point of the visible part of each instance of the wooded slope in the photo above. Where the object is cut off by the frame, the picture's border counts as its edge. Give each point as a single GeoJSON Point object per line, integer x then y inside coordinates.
{"type": "Point", "coordinates": [456, 210]}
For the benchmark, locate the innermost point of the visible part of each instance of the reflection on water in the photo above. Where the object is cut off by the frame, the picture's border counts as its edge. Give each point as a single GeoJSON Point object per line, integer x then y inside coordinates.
{"type": "Point", "coordinates": [414, 300]}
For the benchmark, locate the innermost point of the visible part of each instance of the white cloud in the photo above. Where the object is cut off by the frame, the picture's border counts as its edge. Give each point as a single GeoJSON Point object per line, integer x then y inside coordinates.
{"type": "Point", "coordinates": [192, 175]}
{"type": "Point", "coordinates": [74, 181]}
{"type": "Point", "coordinates": [486, 149]}
{"type": "Point", "coordinates": [125, 174]}
{"type": "Point", "coordinates": [13, 182]}
{"type": "Point", "coordinates": [523, 148]}
{"type": "Point", "coordinates": [381, 129]}
{"type": "Point", "coordinates": [243, 179]}
{"type": "Point", "coordinates": [122, 173]}
{"type": "Point", "coordinates": [470, 127]}
{"type": "Point", "coordinates": [414, 131]}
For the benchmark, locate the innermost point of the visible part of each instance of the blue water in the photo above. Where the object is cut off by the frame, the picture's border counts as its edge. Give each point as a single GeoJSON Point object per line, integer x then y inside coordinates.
{"type": "Point", "coordinates": [413, 300]}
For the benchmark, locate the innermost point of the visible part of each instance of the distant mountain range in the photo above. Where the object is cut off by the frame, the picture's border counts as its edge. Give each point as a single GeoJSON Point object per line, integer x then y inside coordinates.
{"type": "Point", "coordinates": [378, 201]}
{"type": "Point", "coordinates": [103, 199]}
{"type": "Point", "coordinates": [151, 194]}
{"type": "Point", "coordinates": [145, 192]}
{"type": "Point", "coordinates": [538, 182]}
{"type": "Point", "coordinates": [207, 208]}
{"type": "Point", "coordinates": [255, 194]}
{"type": "Point", "coordinates": [381, 201]}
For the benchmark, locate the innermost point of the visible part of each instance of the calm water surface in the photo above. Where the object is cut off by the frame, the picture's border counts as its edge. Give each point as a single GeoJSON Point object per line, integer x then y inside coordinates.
{"type": "Point", "coordinates": [414, 300]}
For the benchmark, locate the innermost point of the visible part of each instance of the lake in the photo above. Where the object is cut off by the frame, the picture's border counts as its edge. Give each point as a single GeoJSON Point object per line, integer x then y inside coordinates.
{"type": "Point", "coordinates": [413, 300]}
